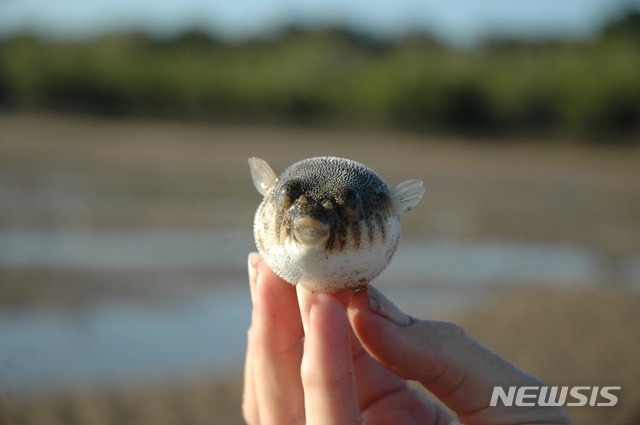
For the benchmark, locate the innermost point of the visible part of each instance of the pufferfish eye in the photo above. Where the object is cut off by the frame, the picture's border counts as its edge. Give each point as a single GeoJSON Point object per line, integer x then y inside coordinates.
{"type": "Point", "coordinates": [328, 205]}
{"type": "Point", "coordinates": [289, 192]}
{"type": "Point", "coordinates": [350, 204]}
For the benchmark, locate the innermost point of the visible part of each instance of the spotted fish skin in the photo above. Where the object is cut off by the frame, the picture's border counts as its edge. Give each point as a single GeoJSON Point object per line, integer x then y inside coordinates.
{"type": "Point", "coordinates": [329, 223]}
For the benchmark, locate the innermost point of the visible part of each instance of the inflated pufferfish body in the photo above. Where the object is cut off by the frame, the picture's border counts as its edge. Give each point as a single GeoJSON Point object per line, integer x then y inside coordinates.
{"type": "Point", "coordinates": [330, 224]}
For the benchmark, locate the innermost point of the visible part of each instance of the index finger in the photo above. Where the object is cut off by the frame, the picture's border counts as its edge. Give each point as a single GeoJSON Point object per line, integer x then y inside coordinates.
{"type": "Point", "coordinates": [275, 349]}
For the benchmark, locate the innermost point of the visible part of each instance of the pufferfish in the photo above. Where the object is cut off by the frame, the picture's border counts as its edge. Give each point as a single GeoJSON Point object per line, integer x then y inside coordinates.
{"type": "Point", "coordinates": [330, 224]}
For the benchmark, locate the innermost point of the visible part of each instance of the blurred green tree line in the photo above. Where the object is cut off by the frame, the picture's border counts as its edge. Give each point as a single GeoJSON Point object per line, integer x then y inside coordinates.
{"type": "Point", "coordinates": [581, 89]}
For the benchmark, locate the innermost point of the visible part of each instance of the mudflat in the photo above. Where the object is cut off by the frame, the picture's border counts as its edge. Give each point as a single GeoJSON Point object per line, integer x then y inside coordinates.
{"type": "Point", "coordinates": [62, 173]}
{"type": "Point", "coordinates": [71, 171]}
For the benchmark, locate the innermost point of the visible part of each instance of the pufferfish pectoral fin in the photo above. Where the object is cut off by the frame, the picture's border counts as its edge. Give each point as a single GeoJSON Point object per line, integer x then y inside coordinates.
{"type": "Point", "coordinates": [262, 175]}
{"type": "Point", "coordinates": [406, 195]}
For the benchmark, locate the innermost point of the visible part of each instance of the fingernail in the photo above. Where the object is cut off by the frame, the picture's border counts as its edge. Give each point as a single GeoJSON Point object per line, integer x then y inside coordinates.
{"type": "Point", "coordinates": [253, 260]}
{"type": "Point", "coordinates": [304, 295]}
{"type": "Point", "coordinates": [385, 308]}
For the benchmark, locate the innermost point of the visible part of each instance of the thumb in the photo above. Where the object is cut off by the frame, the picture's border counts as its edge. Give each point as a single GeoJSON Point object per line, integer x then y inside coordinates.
{"type": "Point", "coordinates": [444, 358]}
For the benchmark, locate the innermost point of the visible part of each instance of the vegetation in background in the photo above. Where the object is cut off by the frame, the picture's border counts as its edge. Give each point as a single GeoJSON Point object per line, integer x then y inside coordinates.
{"type": "Point", "coordinates": [588, 89]}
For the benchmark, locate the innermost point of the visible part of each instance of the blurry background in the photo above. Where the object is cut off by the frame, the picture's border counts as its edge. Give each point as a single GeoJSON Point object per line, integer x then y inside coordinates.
{"type": "Point", "coordinates": [126, 203]}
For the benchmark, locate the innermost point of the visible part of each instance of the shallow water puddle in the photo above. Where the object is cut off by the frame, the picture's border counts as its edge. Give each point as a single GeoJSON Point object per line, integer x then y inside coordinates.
{"type": "Point", "coordinates": [204, 331]}
{"type": "Point", "coordinates": [124, 342]}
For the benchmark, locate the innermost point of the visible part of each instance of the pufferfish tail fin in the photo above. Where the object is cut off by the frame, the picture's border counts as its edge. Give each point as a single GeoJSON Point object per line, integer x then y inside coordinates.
{"type": "Point", "coordinates": [406, 195]}
{"type": "Point", "coordinates": [262, 175]}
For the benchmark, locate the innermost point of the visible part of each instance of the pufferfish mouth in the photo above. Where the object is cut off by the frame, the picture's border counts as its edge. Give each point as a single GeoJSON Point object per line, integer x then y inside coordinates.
{"type": "Point", "coordinates": [310, 231]}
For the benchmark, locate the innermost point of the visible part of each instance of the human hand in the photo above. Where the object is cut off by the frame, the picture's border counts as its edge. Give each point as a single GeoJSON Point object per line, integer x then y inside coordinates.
{"type": "Point", "coordinates": [310, 363]}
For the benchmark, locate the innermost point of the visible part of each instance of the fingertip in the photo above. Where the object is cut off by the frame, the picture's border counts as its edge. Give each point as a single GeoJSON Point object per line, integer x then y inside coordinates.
{"type": "Point", "coordinates": [252, 266]}
{"type": "Point", "coordinates": [262, 279]}
{"type": "Point", "coordinates": [358, 307]}
{"type": "Point", "coordinates": [254, 258]}
{"type": "Point", "coordinates": [327, 368]}
{"type": "Point", "coordinates": [372, 300]}
{"type": "Point", "coordinates": [266, 276]}
{"type": "Point", "coordinates": [304, 302]}
{"type": "Point", "coordinates": [381, 305]}
{"type": "Point", "coordinates": [274, 300]}
{"type": "Point", "coordinates": [304, 294]}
